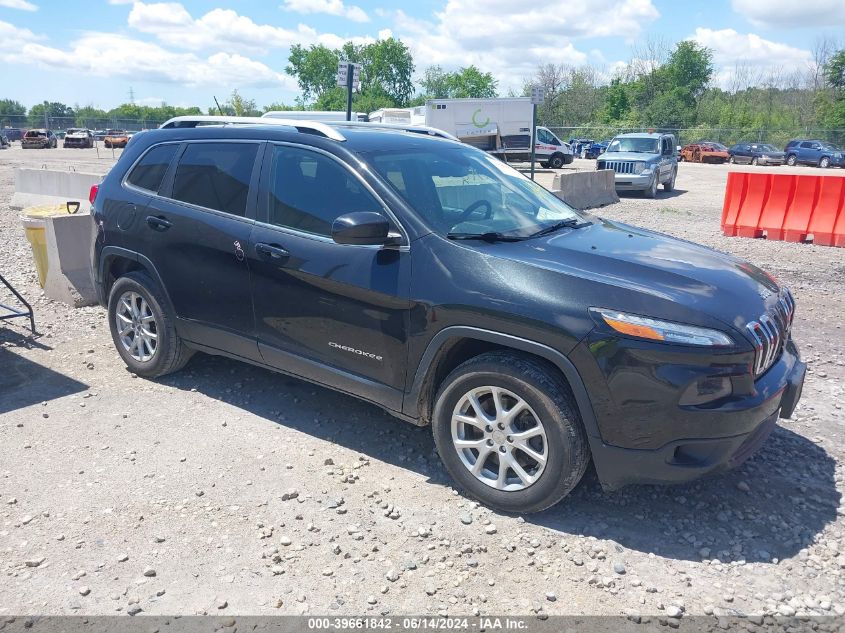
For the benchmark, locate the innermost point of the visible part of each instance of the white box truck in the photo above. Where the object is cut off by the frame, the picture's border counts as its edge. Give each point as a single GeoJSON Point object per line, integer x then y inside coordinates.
{"type": "Point", "coordinates": [501, 127]}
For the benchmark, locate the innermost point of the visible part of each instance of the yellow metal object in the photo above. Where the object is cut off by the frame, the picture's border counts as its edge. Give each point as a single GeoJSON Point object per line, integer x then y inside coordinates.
{"type": "Point", "coordinates": [34, 224]}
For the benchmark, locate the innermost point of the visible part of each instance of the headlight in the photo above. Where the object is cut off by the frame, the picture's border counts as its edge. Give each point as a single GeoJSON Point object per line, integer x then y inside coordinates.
{"type": "Point", "coordinates": [667, 331]}
{"type": "Point", "coordinates": [639, 167]}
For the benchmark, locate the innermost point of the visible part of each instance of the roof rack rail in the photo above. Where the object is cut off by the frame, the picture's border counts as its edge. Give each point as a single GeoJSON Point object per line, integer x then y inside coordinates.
{"type": "Point", "coordinates": [308, 127]}
{"type": "Point", "coordinates": [418, 129]}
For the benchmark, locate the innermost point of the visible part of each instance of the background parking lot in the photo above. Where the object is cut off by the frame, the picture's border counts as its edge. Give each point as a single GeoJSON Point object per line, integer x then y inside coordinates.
{"type": "Point", "coordinates": [226, 488]}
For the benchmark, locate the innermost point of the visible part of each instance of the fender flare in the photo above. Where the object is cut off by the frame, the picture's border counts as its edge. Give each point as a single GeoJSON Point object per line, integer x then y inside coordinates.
{"type": "Point", "coordinates": [113, 252]}
{"type": "Point", "coordinates": [412, 401]}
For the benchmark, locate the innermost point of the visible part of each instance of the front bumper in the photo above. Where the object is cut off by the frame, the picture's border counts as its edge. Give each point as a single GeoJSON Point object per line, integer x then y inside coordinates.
{"type": "Point", "coordinates": [763, 160]}
{"type": "Point", "coordinates": [631, 182]}
{"type": "Point", "coordinates": [648, 437]}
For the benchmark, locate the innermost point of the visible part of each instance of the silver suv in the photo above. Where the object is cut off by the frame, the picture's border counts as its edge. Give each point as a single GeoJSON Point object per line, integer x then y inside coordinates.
{"type": "Point", "coordinates": [642, 162]}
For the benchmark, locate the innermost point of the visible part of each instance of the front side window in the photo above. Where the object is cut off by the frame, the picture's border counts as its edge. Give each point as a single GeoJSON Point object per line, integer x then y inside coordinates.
{"type": "Point", "coordinates": [546, 138]}
{"type": "Point", "coordinates": [215, 176]}
{"type": "Point", "coordinates": [149, 171]}
{"type": "Point", "coordinates": [308, 190]}
{"type": "Point", "coordinates": [459, 189]}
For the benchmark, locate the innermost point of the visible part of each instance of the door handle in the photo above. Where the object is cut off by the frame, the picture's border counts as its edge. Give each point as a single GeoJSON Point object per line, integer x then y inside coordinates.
{"type": "Point", "coordinates": [158, 223]}
{"type": "Point", "coordinates": [271, 251]}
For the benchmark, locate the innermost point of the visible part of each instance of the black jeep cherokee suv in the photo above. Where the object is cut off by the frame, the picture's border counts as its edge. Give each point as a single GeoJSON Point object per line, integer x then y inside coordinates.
{"type": "Point", "coordinates": [422, 275]}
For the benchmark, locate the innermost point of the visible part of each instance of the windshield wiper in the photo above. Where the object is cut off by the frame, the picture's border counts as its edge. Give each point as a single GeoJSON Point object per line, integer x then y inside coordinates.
{"type": "Point", "coordinates": [489, 236]}
{"type": "Point", "coordinates": [572, 223]}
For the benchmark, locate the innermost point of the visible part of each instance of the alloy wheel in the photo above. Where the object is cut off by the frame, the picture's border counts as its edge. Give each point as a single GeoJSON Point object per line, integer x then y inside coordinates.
{"type": "Point", "coordinates": [136, 326]}
{"type": "Point", "coordinates": [499, 438]}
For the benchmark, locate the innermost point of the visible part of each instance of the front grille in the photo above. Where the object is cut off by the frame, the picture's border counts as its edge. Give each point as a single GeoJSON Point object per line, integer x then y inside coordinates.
{"type": "Point", "coordinates": [619, 166]}
{"type": "Point", "coordinates": [771, 332]}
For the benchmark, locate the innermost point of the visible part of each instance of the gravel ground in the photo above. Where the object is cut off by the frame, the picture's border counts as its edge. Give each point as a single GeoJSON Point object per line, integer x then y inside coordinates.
{"type": "Point", "coordinates": [228, 489]}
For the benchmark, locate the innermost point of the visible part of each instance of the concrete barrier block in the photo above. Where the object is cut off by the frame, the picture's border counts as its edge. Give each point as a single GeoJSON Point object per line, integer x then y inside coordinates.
{"type": "Point", "coordinates": [586, 189]}
{"type": "Point", "coordinates": [35, 187]}
{"type": "Point", "coordinates": [69, 242]}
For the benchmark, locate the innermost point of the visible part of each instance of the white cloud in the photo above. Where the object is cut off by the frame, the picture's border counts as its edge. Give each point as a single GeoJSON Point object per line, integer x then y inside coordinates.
{"type": "Point", "coordinates": [224, 29]}
{"type": "Point", "coordinates": [791, 14]}
{"type": "Point", "coordinates": [731, 48]}
{"type": "Point", "coordinates": [23, 5]}
{"type": "Point", "coordinates": [112, 55]}
{"type": "Point", "coordinates": [331, 7]}
{"type": "Point", "coordinates": [510, 39]}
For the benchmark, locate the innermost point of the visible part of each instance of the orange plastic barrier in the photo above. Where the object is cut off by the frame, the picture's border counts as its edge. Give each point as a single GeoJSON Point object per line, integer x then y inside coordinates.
{"type": "Point", "coordinates": [785, 207]}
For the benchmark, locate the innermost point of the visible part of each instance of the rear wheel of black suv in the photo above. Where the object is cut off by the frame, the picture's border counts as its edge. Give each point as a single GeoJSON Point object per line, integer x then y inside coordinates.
{"type": "Point", "coordinates": [142, 329]}
{"type": "Point", "coordinates": [509, 433]}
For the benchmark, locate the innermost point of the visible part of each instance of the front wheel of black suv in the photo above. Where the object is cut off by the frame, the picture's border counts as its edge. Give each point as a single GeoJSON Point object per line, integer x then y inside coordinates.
{"type": "Point", "coordinates": [509, 433]}
{"type": "Point", "coordinates": [142, 328]}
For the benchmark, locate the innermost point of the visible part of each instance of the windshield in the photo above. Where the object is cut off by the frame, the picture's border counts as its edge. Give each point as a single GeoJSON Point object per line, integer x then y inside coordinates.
{"type": "Point", "coordinates": [35, 134]}
{"type": "Point", "coordinates": [716, 146]}
{"type": "Point", "coordinates": [633, 144]}
{"type": "Point", "coordinates": [829, 147]}
{"type": "Point", "coordinates": [461, 190]}
{"type": "Point", "coordinates": [115, 132]}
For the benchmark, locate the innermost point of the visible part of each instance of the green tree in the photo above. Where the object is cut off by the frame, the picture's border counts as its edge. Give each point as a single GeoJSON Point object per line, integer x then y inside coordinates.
{"type": "Point", "coordinates": [56, 111]}
{"type": "Point", "coordinates": [834, 72]}
{"type": "Point", "coordinates": [468, 82]}
{"type": "Point", "coordinates": [386, 69]}
{"type": "Point", "coordinates": [315, 69]}
{"type": "Point", "coordinates": [11, 112]}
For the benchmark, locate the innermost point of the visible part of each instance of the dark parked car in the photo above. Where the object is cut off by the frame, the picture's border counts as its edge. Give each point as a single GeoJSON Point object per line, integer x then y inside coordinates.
{"type": "Point", "coordinates": [39, 139]}
{"type": "Point", "coordinates": [12, 133]}
{"type": "Point", "coordinates": [755, 154]}
{"type": "Point", "coordinates": [816, 153]}
{"type": "Point", "coordinates": [4, 141]}
{"type": "Point", "coordinates": [370, 261]}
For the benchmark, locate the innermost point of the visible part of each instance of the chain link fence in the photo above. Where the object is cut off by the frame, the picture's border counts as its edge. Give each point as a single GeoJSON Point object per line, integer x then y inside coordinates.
{"type": "Point", "coordinates": [58, 124]}
{"type": "Point", "coordinates": [726, 136]}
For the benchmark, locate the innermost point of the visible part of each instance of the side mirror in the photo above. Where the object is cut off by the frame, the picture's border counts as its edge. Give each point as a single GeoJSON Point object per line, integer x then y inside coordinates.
{"type": "Point", "coordinates": [362, 228]}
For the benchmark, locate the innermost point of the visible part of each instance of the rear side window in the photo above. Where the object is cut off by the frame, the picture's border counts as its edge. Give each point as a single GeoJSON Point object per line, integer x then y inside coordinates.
{"type": "Point", "coordinates": [309, 190]}
{"type": "Point", "coordinates": [149, 171]}
{"type": "Point", "coordinates": [215, 176]}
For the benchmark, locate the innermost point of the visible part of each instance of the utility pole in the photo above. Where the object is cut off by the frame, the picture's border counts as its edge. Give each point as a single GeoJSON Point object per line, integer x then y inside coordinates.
{"type": "Point", "coordinates": [46, 122]}
{"type": "Point", "coordinates": [131, 95]}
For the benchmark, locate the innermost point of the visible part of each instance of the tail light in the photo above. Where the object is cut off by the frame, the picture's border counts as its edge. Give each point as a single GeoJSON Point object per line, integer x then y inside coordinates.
{"type": "Point", "coordinates": [92, 194]}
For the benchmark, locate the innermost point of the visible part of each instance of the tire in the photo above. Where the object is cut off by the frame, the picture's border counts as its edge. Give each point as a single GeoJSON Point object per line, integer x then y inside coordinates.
{"type": "Point", "coordinates": [732, 160]}
{"type": "Point", "coordinates": [792, 160]}
{"type": "Point", "coordinates": [669, 185]}
{"type": "Point", "coordinates": [824, 163]}
{"type": "Point", "coordinates": [681, 158]}
{"type": "Point", "coordinates": [567, 159]}
{"type": "Point", "coordinates": [651, 192]}
{"type": "Point", "coordinates": [550, 406]}
{"type": "Point", "coordinates": [754, 161]}
{"type": "Point", "coordinates": [170, 353]}
{"type": "Point", "coordinates": [108, 145]}
{"type": "Point", "coordinates": [556, 161]}
{"type": "Point", "coordinates": [544, 165]}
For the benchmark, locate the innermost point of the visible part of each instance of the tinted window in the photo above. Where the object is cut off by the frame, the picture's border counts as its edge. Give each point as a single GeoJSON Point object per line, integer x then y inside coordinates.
{"type": "Point", "coordinates": [309, 190]}
{"type": "Point", "coordinates": [806, 145]}
{"type": "Point", "coordinates": [215, 175]}
{"type": "Point", "coordinates": [149, 171]}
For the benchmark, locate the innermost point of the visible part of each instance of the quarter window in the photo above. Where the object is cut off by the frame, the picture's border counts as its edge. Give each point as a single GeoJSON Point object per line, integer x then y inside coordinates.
{"type": "Point", "coordinates": [215, 176]}
{"type": "Point", "coordinates": [150, 170]}
{"type": "Point", "coordinates": [309, 190]}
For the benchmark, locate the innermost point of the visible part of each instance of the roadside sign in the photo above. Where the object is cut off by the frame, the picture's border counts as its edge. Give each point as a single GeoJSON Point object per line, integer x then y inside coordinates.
{"type": "Point", "coordinates": [538, 95]}
{"type": "Point", "coordinates": [343, 74]}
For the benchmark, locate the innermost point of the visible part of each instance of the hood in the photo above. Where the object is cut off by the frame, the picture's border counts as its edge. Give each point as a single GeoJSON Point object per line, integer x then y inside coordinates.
{"type": "Point", "coordinates": [628, 156]}
{"type": "Point", "coordinates": [667, 269]}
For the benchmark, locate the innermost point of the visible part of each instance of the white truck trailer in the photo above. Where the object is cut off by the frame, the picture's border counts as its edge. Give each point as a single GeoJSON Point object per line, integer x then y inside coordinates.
{"type": "Point", "coordinates": [501, 127]}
